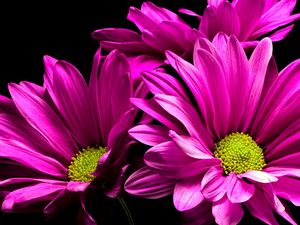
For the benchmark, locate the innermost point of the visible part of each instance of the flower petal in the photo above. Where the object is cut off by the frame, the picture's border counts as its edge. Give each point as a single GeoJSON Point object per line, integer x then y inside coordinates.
{"type": "Point", "coordinates": [150, 134]}
{"type": "Point", "coordinates": [208, 22]}
{"type": "Point", "coordinates": [187, 193]}
{"type": "Point", "coordinates": [226, 212]}
{"type": "Point", "coordinates": [116, 34]}
{"type": "Point", "coordinates": [259, 176]}
{"type": "Point", "coordinates": [166, 159]}
{"type": "Point", "coordinates": [213, 185]}
{"type": "Point", "coordinates": [201, 214]}
{"type": "Point", "coordinates": [238, 190]}
{"type": "Point", "coordinates": [145, 183]}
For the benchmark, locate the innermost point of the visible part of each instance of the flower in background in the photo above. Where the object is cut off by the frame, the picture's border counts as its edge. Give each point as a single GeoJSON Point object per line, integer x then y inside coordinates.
{"type": "Point", "coordinates": [62, 143]}
{"type": "Point", "coordinates": [248, 20]}
{"type": "Point", "coordinates": [240, 145]}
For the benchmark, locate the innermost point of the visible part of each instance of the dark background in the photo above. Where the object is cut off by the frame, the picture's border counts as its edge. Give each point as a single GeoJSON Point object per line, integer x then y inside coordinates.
{"type": "Point", "coordinates": [63, 31]}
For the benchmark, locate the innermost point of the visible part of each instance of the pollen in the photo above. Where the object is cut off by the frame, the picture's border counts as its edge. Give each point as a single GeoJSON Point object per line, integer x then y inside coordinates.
{"type": "Point", "coordinates": [239, 153]}
{"type": "Point", "coordinates": [84, 163]}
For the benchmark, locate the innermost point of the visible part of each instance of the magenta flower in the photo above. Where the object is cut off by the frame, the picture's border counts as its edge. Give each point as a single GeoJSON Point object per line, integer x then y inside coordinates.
{"type": "Point", "coordinates": [52, 137]}
{"type": "Point", "coordinates": [240, 145]}
{"type": "Point", "coordinates": [248, 20]}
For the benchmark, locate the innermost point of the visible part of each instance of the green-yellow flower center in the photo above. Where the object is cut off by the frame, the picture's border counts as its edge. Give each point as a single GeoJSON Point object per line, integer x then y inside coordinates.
{"type": "Point", "coordinates": [239, 153]}
{"type": "Point", "coordinates": [85, 162]}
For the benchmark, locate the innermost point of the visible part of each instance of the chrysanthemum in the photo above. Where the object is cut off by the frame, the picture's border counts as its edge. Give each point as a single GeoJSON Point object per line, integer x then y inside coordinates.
{"type": "Point", "coordinates": [248, 20]}
{"type": "Point", "coordinates": [240, 145]}
{"type": "Point", "coordinates": [62, 142]}
{"type": "Point", "coordinates": [162, 29]}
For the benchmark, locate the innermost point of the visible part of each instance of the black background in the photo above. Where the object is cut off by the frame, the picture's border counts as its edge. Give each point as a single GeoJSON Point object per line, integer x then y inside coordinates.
{"type": "Point", "coordinates": [63, 31]}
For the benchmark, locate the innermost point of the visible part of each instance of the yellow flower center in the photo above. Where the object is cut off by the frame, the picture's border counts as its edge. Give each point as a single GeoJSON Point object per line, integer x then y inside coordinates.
{"type": "Point", "coordinates": [85, 162]}
{"type": "Point", "coordinates": [239, 153]}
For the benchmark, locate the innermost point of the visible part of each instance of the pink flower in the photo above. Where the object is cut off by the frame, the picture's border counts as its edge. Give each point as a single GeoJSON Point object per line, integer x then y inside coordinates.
{"type": "Point", "coordinates": [237, 144]}
{"type": "Point", "coordinates": [43, 130]}
{"type": "Point", "coordinates": [248, 20]}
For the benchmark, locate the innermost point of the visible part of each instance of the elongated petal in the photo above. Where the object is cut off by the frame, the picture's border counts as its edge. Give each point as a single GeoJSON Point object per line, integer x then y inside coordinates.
{"type": "Point", "coordinates": [238, 190]}
{"type": "Point", "coordinates": [227, 19]}
{"type": "Point", "coordinates": [42, 118]}
{"type": "Point", "coordinates": [214, 78]}
{"type": "Point", "coordinates": [162, 83]}
{"type": "Point", "coordinates": [150, 134]}
{"type": "Point", "coordinates": [21, 153]}
{"type": "Point", "coordinates": [238, 81]}
{"type": "Point", "coordinates": [187, 193]}
{"type": "Point", "coordinates": [249, 14]}
{"type": "Point", "coordinates": [116, 34]}
{"type": "Point", "coordinates": [271, 197]}
{"type": "Point", "coordinates": [166, 159]}
{"type": "Point", "coordinates": [258, 65]}
{"type": "Point", "coordinates": [74, 102]}
{"type": "Point", "coordinates": [8, 106]}
{"type": "Point", "coordinates": [156, 111]}
{"type": "Point", "coordinates": [208, 24]}
{"type": "Point", "coordinates": [260, 208]}
{"type": "Point", "coordinates": [147, 184]}
{"type": "Point", "coordinates": [281, 34]}
{"type": "Point", "coordinates": [226, 212]}
{"type": "Point", "coordinates": [288, 188]}
{"type": "Point", "coordinates": [23, 197]}
{"type": "Point", "coordinates": [49, 63]}
{"type": "Point", "coordinates": [259, 176]}
{"type": "Point", "coordinates": [191, 146]}
{"type": "Point", "coordinates": [198, 167]}
{"type": "Point", "coordinates": [213, 185]}
{"type": "Point", "coordinates": [192, 35]}
{"type": "Point", "coordinates": [188, 116]}
{"type": "Point", "coordinates": [201, 214]}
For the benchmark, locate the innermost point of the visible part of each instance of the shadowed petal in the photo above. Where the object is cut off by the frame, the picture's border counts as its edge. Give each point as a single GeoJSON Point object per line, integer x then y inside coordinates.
{"type": "Point", "coordinates": [208, 22]}
{"type": "Point", "coordinates": [187, 193]}
{"type": "Point", "coordinates": [116, 34]}
{"type": "Point", "coordinates": [226, 212]}
{"type": "Point", "coordinates": [166, 159]}
{"type": "Point", "coordinates": [150, 134]}
{"type": "Point", "coordinates": [201, 214]}
{"type": "Point", "coordinates": [145, 183]}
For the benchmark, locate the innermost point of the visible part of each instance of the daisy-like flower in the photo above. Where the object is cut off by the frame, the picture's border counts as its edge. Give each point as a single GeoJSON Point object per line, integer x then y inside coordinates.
{"type": "Point", "coordinates": [246, 19]}
{"type": "Point", "coordinates": [66, 141]}
{"type": "Point", "coordinates": [239, 146]}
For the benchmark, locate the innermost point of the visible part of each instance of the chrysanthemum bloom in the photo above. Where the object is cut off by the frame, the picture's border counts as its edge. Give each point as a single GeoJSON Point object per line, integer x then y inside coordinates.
{"type": "Point", "coordinates": [60, 142]}
{"type": "Point", "coordinates": [240, 145]}
{"type": "Point", "coordinates": [246, 19]}
{"type": "Point", "coordinates": [162, 29]}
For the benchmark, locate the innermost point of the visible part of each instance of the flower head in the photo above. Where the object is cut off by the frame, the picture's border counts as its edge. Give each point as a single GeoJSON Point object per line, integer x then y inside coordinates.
{"type": "Point", "coordinates": [61, 142]}
{"type": "Point", "coordinates": [235, 143]}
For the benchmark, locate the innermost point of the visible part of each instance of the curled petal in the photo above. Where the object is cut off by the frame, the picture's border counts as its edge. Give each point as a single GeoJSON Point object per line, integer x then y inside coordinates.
{"type": "Point", "coordinates": [259, 176]}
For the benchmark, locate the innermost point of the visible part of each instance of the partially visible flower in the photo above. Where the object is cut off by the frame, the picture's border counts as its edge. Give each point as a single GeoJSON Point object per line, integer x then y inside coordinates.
{"type": "Point", "coordinates": [246, 19]}
{"type": "Point", "coordinates": [240, 145]}
{"type": "Point", "coordinates": [67, 142]}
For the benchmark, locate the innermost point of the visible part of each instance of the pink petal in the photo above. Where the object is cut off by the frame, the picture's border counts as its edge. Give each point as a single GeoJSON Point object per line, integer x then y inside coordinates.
{"type": "Point", "coordinates": [288, 188]}
{"type": "Point", "coordinates": [213, 185]}
{"type": "Point", "coordinates": [188, 116]}
{"type": "Point", "coordinates": [214, 2]}
{"type": "Point", "coordinates": [8, 106]}
{"type": "Point", "coordinates": [156, 111]}
{"type": "Point", "coordinates": [191, 146]}
{"type": "Point", "coordinates": [23, 197]}
{"type": "Point", "coordinates": [238, 190]}
{"type": "Point", "coordinates": [147, 184]}
{"type": "Point", "coordinates": [116, 34]}
{"type": "Point", "coordinates": [249, 13]}
{"type": "Point", "coordinates": [166, 159]}
{"type": "Point", "coordinates": [258, 65]}
{"type": "Point", "coordinates": [208, 24]}
{"type": "Point", "coordinates": [271, 197]}
{"type": "Point", "coordinates": [189, 12]}
{"type": "Point", "coordinates": [227, 19]}
{"type": "Point", "coordinates": [220, 43]}
{"type": "Point", "coordinates": [200, 214]}
{"type": "Point", "coordinates": [196, 168]}
{"type": "Point", "coordinates": [150, 134]}
{"type": "Point", "coordinates": [238, 81]}
{"type": "Point", "coordinates": [49, 63]}
{"type": "Point", "coordinates": [260, 208]}
{"type": "Point", "coordinates": [187, 193]}
{"type": "Point", "coordinates": [44, 120]}
{"type": "Point", "coordinates": [74, 102]}
{"type": "Point", "coordinates": [162, 83]}
{"type": "Point", "coordinates": [214, 79]}
{"type": "Point", "coordinates": [192, 35]}
{"type": "Point", "coordinates": [281, 34]}
{"type": "Point", "coordinates": [226, 212]}
{"type": "Point", "coordinates": [77, 186]}
{"type": "Point", "coordinates": [259, 176]}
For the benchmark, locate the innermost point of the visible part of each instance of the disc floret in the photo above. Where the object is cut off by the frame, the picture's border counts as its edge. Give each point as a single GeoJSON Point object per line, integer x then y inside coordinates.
{"type": "Point", "coordinates": [239, 153]}
{"type": "Point", "coordinates": [85, 162]}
